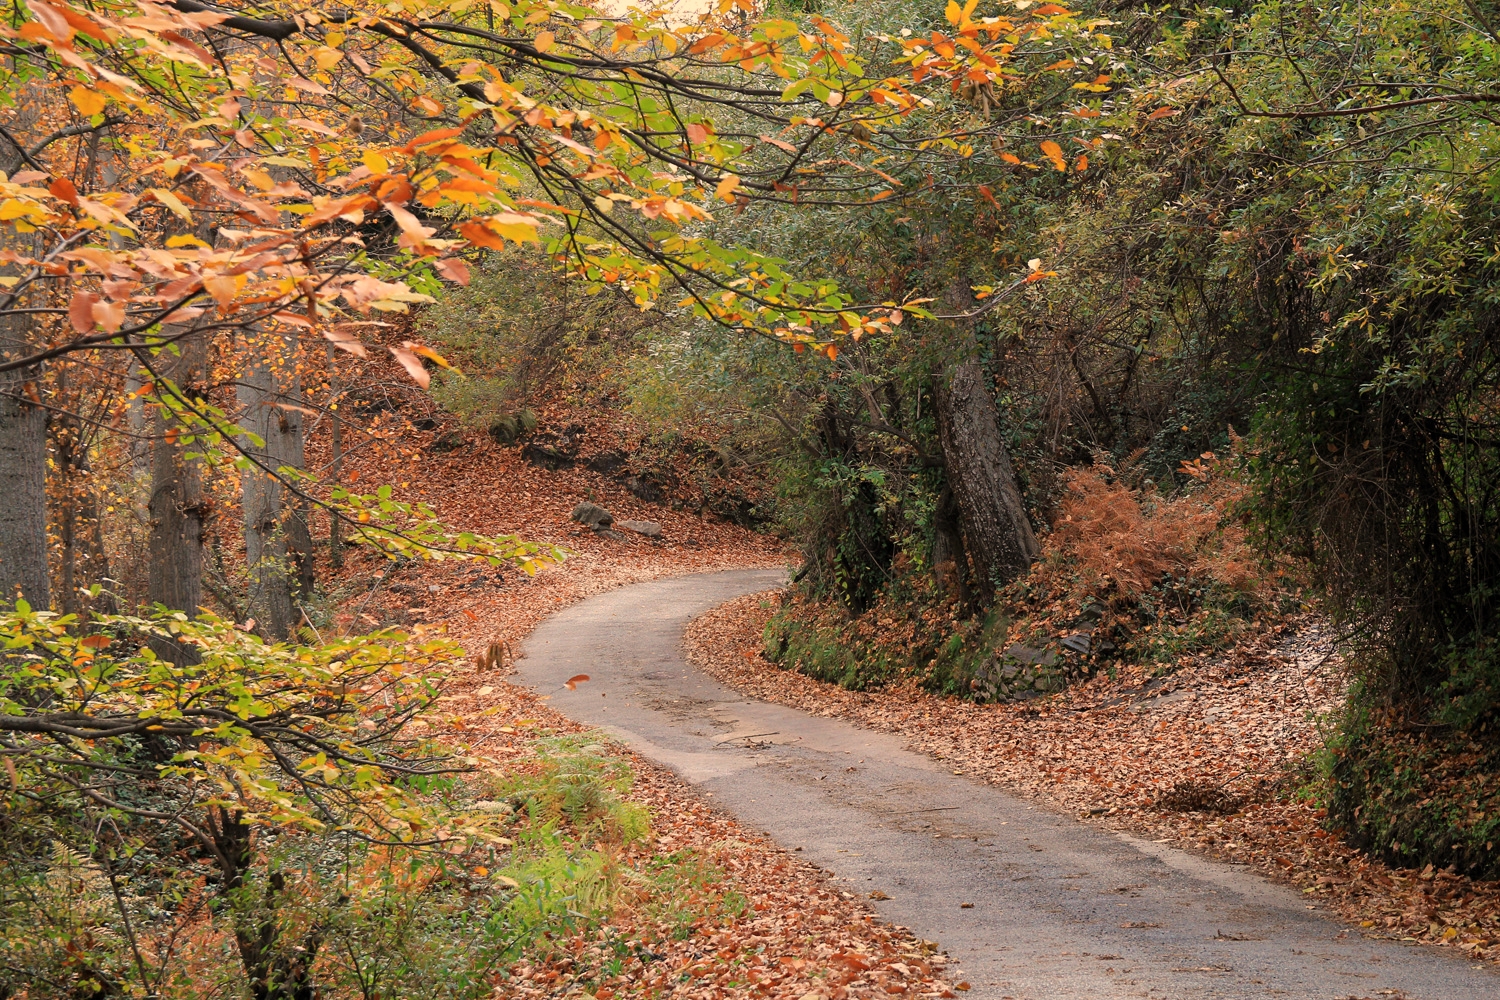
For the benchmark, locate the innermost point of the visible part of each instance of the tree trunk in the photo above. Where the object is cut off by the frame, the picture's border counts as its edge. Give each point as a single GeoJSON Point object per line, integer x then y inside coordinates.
{"type": "Point", "coordinates": [23, 466]}
{"type": "Point", "coordinates": [997, 533]}
{"type": "Point", "coordinates": [278, 546]}
{"type": "Point", "coordinates": [177, 507]}
{"type": "Point", "coordinates": [950, 563]}
{"type": "Point", "coordinates": [335, 526]}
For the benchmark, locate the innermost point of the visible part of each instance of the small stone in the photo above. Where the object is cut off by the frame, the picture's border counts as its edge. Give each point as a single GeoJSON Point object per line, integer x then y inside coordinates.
{"type": "Point", "coordinates": [593, 515]}
{"type": "Point", "coordinates": [1077, 643]}
{"type": "Point", "coordinates": [648, 528]}
{"type": "Point", "coordinates": [610, 533]}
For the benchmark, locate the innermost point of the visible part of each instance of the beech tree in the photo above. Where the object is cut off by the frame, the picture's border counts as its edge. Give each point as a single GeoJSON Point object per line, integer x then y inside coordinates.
{"type": "Point", "coordinates": [348, 160]}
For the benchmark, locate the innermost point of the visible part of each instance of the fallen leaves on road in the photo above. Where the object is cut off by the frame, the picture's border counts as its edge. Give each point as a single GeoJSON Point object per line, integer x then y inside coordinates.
{"type": "Point", "coordinates": [1222, 737]}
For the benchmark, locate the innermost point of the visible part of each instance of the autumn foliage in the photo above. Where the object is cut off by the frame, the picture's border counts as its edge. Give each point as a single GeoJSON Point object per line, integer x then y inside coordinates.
{"type": "Point", "coordinates": [1118, 540]}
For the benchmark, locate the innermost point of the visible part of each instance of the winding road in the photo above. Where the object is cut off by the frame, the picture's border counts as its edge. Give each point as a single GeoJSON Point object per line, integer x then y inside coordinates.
{"type": "Point", "coordinates": [1060, 909]}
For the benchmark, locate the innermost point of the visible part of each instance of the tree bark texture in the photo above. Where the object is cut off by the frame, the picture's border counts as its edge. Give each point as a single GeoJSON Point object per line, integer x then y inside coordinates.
{"type": "Point", "coordinates": [23, 467]}
{"type": "Point", "coordinates": [177, 506]}
{"type": "Point", "coordinates": [997, 533]}
{"type": "Point", "coordinates": [278, 545]}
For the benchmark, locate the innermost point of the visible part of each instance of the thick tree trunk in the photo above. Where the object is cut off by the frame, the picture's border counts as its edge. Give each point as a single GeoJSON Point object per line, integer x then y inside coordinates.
{"type": "Point", "coordinates": [278, 546]}
{"type": "Point", "coordinates": [23, 467]}
{"type": "Point", "coordinates": [997, 533]}
{"type": "Point", "coordinates": [177, 507]}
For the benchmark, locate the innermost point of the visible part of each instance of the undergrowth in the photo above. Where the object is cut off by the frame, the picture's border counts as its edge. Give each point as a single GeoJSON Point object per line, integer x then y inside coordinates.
{"type": "Point", "coordinates": [1415, 798]}
{"type": "Point", "coordinates": [1127, 575]}
{"type": "Point", "coordinates": [574, 872]}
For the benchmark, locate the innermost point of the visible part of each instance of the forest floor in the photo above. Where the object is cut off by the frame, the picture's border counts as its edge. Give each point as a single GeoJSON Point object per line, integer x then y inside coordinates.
{"type": "Point", "coordinates": [766, 919]}
{"type": "Point", "coordinates": [1208, 758]}
{"type": "Point", "coordinates": [1205, 758]}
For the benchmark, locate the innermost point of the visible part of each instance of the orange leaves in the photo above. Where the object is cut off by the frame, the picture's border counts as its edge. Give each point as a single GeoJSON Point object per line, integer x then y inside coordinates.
{"type": "Point", "coordinates": [1161, 113]}
{"type": "Point", "coordinates": [81, 311]}
{"type": "Point", "coordinates": [341, 338]}
{"type": "Point", "coordinates": [454, 269]}
{"type": "Point", "coordinates": [63, 189]}
{"type": "Point", "coordinates": [430, 139]}
{"type": "Point", "coordinates": [1053, 152]}
{"type": "Point", "coordinates": [412, 364]}
{"type": "Point", "coordinates": [572, 682]}
{"type": "Point", "coordinates": [408, 356]}
{"type": "Point", "coordinates": [223, 288]}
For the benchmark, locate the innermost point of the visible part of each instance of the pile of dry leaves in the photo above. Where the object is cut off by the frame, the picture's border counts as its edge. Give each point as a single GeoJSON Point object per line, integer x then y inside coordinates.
{"type": "Point", "coordinates": [1205, 758]}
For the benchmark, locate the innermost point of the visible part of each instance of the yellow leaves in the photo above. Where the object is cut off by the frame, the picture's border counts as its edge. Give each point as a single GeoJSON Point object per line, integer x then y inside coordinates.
{"type": "Point", "coordinates": [1053, 152]}
{"type": "Point", "coordinates": [491, 232]}
{"type": "Point", "coordinates": [959, 16]}
{"type": "Point", "coordinates": [259, 178]}
{"type": "Point", "coordinates": [726, 188]}
{"type": "Point", "coordinates": [327, 58]}
{"type": "Point", "coordinates": [1099, 85]}
{"type": "Point", "coordinates": [172, 202]}
{"type": "Point", "coordinates": [376, 163]}
{"type": "Point", "coordinates": [544, 41]}
{"type": "Point", "coordinates": [429, 354]}
{"type": "Point", "coordinates": [88, 102]}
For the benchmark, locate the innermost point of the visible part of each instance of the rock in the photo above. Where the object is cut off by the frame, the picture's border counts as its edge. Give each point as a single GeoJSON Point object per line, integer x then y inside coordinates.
{"type": "Point", "coordinates": [648, 528]}
{"type": "Point", "coordinates": [610, 533]}
{"type": "Point", "coordinates": [1077, 643]}
{"type": "Point", "coordinates": [546, 456]}
{"type": "Point", "coordinates": [1026, 654]}
{"type": "Point", "coordinates": [593, 515]}
{"type": "Point", "coordinates": [644, 488]}
{"type": "Point", "coordinates": [606, 462]}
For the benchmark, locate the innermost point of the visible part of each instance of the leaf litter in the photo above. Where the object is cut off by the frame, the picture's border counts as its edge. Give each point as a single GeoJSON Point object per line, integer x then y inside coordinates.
{"type": "Point", "coordinates": [798, 936]}
{"type": "Point", "coordinates": [1211, 758]}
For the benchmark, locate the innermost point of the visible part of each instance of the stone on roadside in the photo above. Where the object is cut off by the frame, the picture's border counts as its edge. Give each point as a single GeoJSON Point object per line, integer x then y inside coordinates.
{"type": "Point", "coordinates": [648, 528]}
{"type": "Point", "coordinates": [593, 515]}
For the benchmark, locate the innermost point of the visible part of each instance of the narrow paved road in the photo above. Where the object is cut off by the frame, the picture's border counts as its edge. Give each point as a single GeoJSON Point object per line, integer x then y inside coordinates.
{"type": "Point", "coordinates": [1060, 909]}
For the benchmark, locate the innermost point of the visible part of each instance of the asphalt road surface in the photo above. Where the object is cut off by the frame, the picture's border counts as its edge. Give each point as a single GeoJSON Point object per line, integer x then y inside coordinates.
{"type": "Point", "coordinates": [1060, 909]}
